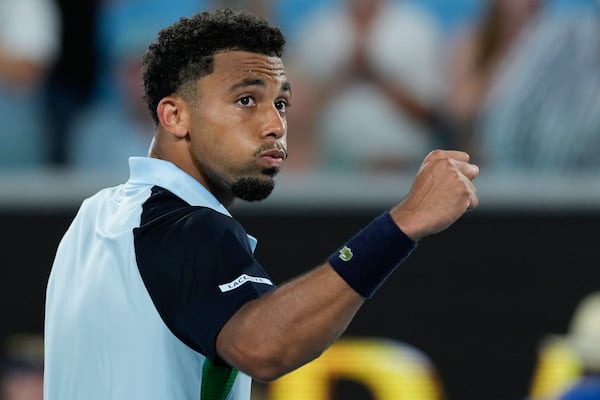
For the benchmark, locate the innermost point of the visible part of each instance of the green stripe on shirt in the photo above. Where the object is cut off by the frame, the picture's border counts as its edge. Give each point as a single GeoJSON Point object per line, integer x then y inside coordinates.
{"type": "Point", "coordinates": [216, 381]}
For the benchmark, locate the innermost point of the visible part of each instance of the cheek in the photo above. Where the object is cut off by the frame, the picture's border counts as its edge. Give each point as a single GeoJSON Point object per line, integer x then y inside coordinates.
{"type": "Point", "coordinates": [223, 137]}
{"type": "Point", "coordinates": [209, 129]}
{"type": "Point", "coordinates": [221, 123]}
{"type": "Point", "coordinates": [215, 143]}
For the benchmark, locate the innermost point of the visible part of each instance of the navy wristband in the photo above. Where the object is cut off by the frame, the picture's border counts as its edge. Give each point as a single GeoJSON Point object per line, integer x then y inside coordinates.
{"type": "Point", "coordinates": [366, 260]}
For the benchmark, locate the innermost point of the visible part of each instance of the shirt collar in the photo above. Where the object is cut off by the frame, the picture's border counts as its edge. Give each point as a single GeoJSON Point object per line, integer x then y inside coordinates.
{"type": "Point", "coordinates": [152, 171]}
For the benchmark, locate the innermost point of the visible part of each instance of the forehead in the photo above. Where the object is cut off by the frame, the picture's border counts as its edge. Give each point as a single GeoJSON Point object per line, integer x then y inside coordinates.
{"type": "Point", "coordinates": [240, 64]}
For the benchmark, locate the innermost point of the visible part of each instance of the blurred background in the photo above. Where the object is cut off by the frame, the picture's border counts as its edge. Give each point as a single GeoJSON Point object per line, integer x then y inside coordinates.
{"type": "Point", "coordinates": [485, 309]}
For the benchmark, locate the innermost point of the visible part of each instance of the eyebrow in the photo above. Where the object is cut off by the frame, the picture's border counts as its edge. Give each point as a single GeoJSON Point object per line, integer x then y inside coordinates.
{"type": "Point", "coordinates": [285, 86]}
{"type": "Point", "coordinates": [245, 83]}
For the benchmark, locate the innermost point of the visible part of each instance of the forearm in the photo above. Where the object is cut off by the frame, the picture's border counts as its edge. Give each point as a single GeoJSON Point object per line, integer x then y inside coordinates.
{"type": "Point", "coordinates": [295, 323]}
{"type": "Point", "coordinates": [290, 326]}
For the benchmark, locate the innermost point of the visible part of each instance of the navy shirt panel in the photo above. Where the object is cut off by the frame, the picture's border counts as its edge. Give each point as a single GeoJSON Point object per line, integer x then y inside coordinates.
{"type": "Point", "coordinates": [185, 254]}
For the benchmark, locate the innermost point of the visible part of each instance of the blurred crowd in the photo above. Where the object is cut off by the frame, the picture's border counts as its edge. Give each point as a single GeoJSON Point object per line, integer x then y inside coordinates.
{"type": "Point", "coordinates": [377, 84]}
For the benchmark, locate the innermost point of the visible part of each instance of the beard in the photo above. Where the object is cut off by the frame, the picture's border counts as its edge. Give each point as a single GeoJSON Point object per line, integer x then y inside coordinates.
{"type": "Point", "coordinates": [254, 189]}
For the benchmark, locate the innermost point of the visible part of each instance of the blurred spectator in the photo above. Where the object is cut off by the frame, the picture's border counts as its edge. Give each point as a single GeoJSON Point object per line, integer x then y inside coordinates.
{"type": "Point", "coordinates": [584, 339]}
{"type": "Point", "coordinates": [29, 45]}
{"type": "Point", "coordinates": [139, 21]}
{"type": "Point", "coordinates": [117, 124]}
{"type": "Point", "coordinates": [291, 14]}
{"type": "Point", "coordinates": [113, 128]}
{"type": "Point", "coordinates": [542, 114]}
{"type": "Point", "coordinates": [72, 78]}
{"type": "Point", "coordinates": [288, 14]}
{"type": "Point", "coordinates": [369, 80]}
{"type": "Point", "coordinates": [21, 376]}
{"type": "Point", "coordinates": [453, 14]}
{"type": "Point", "coordinates": [477, 54]}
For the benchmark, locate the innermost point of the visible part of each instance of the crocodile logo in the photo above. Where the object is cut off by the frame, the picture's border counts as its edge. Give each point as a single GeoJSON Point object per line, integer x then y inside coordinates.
{"type": "Point", "coordinates": [345, 253]}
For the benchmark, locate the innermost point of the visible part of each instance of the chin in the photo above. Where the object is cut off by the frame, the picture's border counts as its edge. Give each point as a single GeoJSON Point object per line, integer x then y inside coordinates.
{"type": "Point", "coordinates": [253, 189]}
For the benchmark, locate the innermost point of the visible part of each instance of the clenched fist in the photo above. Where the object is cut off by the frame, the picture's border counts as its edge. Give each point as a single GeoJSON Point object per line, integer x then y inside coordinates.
{"type": "Point", "coordinates": [441, 193]}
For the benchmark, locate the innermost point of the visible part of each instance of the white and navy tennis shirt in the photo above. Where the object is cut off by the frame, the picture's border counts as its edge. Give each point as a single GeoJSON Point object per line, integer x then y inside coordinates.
{"type": "Point", "coordinates": [143, 280]}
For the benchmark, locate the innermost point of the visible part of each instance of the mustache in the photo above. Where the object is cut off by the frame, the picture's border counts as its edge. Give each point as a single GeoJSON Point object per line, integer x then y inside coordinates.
{"type": "Point", "coordinates": [278, 146]}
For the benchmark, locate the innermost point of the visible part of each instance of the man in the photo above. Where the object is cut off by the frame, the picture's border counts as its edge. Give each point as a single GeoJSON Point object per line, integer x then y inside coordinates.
{"type": "Point", "coordinates": [155, 293]}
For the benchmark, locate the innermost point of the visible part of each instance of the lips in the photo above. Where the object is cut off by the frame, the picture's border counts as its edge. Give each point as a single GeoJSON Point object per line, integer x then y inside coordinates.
{"type": "Point", "coordinates": [272, 158]}
{"type": "Point", "coordinates": [274, 153]}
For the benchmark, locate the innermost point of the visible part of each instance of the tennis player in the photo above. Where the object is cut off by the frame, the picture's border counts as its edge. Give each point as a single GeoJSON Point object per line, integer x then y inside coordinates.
{"type": "Point", "coordinates": [155, 292]}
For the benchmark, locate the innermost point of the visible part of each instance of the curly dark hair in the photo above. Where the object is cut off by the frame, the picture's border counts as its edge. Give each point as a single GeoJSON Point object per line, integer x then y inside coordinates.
{"type": "Point", "coordinates": [184, 51]}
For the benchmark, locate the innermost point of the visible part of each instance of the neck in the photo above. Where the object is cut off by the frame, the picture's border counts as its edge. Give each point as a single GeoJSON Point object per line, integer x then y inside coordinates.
{"type": "Point", "coordinates": [180, 157]}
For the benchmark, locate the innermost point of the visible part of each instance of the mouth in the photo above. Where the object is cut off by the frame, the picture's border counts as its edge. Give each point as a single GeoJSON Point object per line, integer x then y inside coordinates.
{"type": "Point", "coordinates": [274, 153]}
{"type": "Point", "coordinates": [273, 158]}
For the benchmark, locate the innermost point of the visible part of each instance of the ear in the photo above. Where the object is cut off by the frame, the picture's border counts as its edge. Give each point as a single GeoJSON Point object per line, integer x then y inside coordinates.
{"type": "Point", "coordinates": [173, 116]}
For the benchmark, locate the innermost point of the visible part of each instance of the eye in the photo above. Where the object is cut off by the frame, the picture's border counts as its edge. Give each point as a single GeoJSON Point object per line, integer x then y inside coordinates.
{"type": "Point", "coordinates": [246, 101]}
{"type": "Point", "coordinates": [282, 105]}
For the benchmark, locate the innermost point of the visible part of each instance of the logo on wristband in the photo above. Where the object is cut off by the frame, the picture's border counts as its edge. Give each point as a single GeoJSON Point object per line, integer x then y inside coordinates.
{"type": "Point", "coordinates": [345, 253]}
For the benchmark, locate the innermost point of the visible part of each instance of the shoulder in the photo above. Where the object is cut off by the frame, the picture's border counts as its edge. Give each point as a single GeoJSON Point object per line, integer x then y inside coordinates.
{"type": "Point", "coordinates": [164, 204]}
{"type": "Point", "coordinates": [168, 219]}
{"type": "Point", "coordinates": [210, 223]}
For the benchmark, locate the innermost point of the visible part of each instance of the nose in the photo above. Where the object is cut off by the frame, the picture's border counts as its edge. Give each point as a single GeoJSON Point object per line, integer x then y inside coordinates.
{"type": "Point", "coordinates": [275, 123]}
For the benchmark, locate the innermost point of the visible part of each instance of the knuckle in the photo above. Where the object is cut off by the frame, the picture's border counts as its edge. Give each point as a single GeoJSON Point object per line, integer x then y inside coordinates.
{"type": "Point", "coordinates": [434, 154]}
